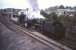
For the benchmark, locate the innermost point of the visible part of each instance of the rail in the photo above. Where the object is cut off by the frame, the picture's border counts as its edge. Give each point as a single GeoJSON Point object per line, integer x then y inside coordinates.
{"type": "Point", "coordinates": [39, 37]}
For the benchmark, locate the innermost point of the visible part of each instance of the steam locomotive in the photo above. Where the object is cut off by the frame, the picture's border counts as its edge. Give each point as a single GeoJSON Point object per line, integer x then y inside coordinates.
{"type": "Point", "coordinates": [50, 29]}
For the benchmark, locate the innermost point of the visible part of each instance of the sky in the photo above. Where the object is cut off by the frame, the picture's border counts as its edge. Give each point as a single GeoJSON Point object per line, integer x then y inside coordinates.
{"type": "Point", "coordinates": [42, 4]}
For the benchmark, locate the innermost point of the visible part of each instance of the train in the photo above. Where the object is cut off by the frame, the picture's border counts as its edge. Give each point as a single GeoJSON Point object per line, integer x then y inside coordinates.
{"type": "Point", "coordinates": [50, 29]}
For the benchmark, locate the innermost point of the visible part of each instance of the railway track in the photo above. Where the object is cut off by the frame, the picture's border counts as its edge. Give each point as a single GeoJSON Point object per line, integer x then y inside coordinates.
{"type": "Point", "coordinates": [38, 36]}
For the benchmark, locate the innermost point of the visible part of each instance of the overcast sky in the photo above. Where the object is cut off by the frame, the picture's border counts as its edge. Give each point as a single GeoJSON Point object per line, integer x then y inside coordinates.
{"type": "Point", "coordinates": [42, 3]}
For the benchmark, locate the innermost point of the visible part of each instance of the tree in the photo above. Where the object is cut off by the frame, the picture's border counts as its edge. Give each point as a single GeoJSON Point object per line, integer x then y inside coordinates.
{"type": "Point", "coordinates": [42, 12]}
{"type": "Point", "coordinates": [65, 20]}
{"type": "Point", "coordinates": [74, 7]}
{"type": "Point", "coordinates": [61, 7]}
{"type": "Point", "coordinates": [54, 16]}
